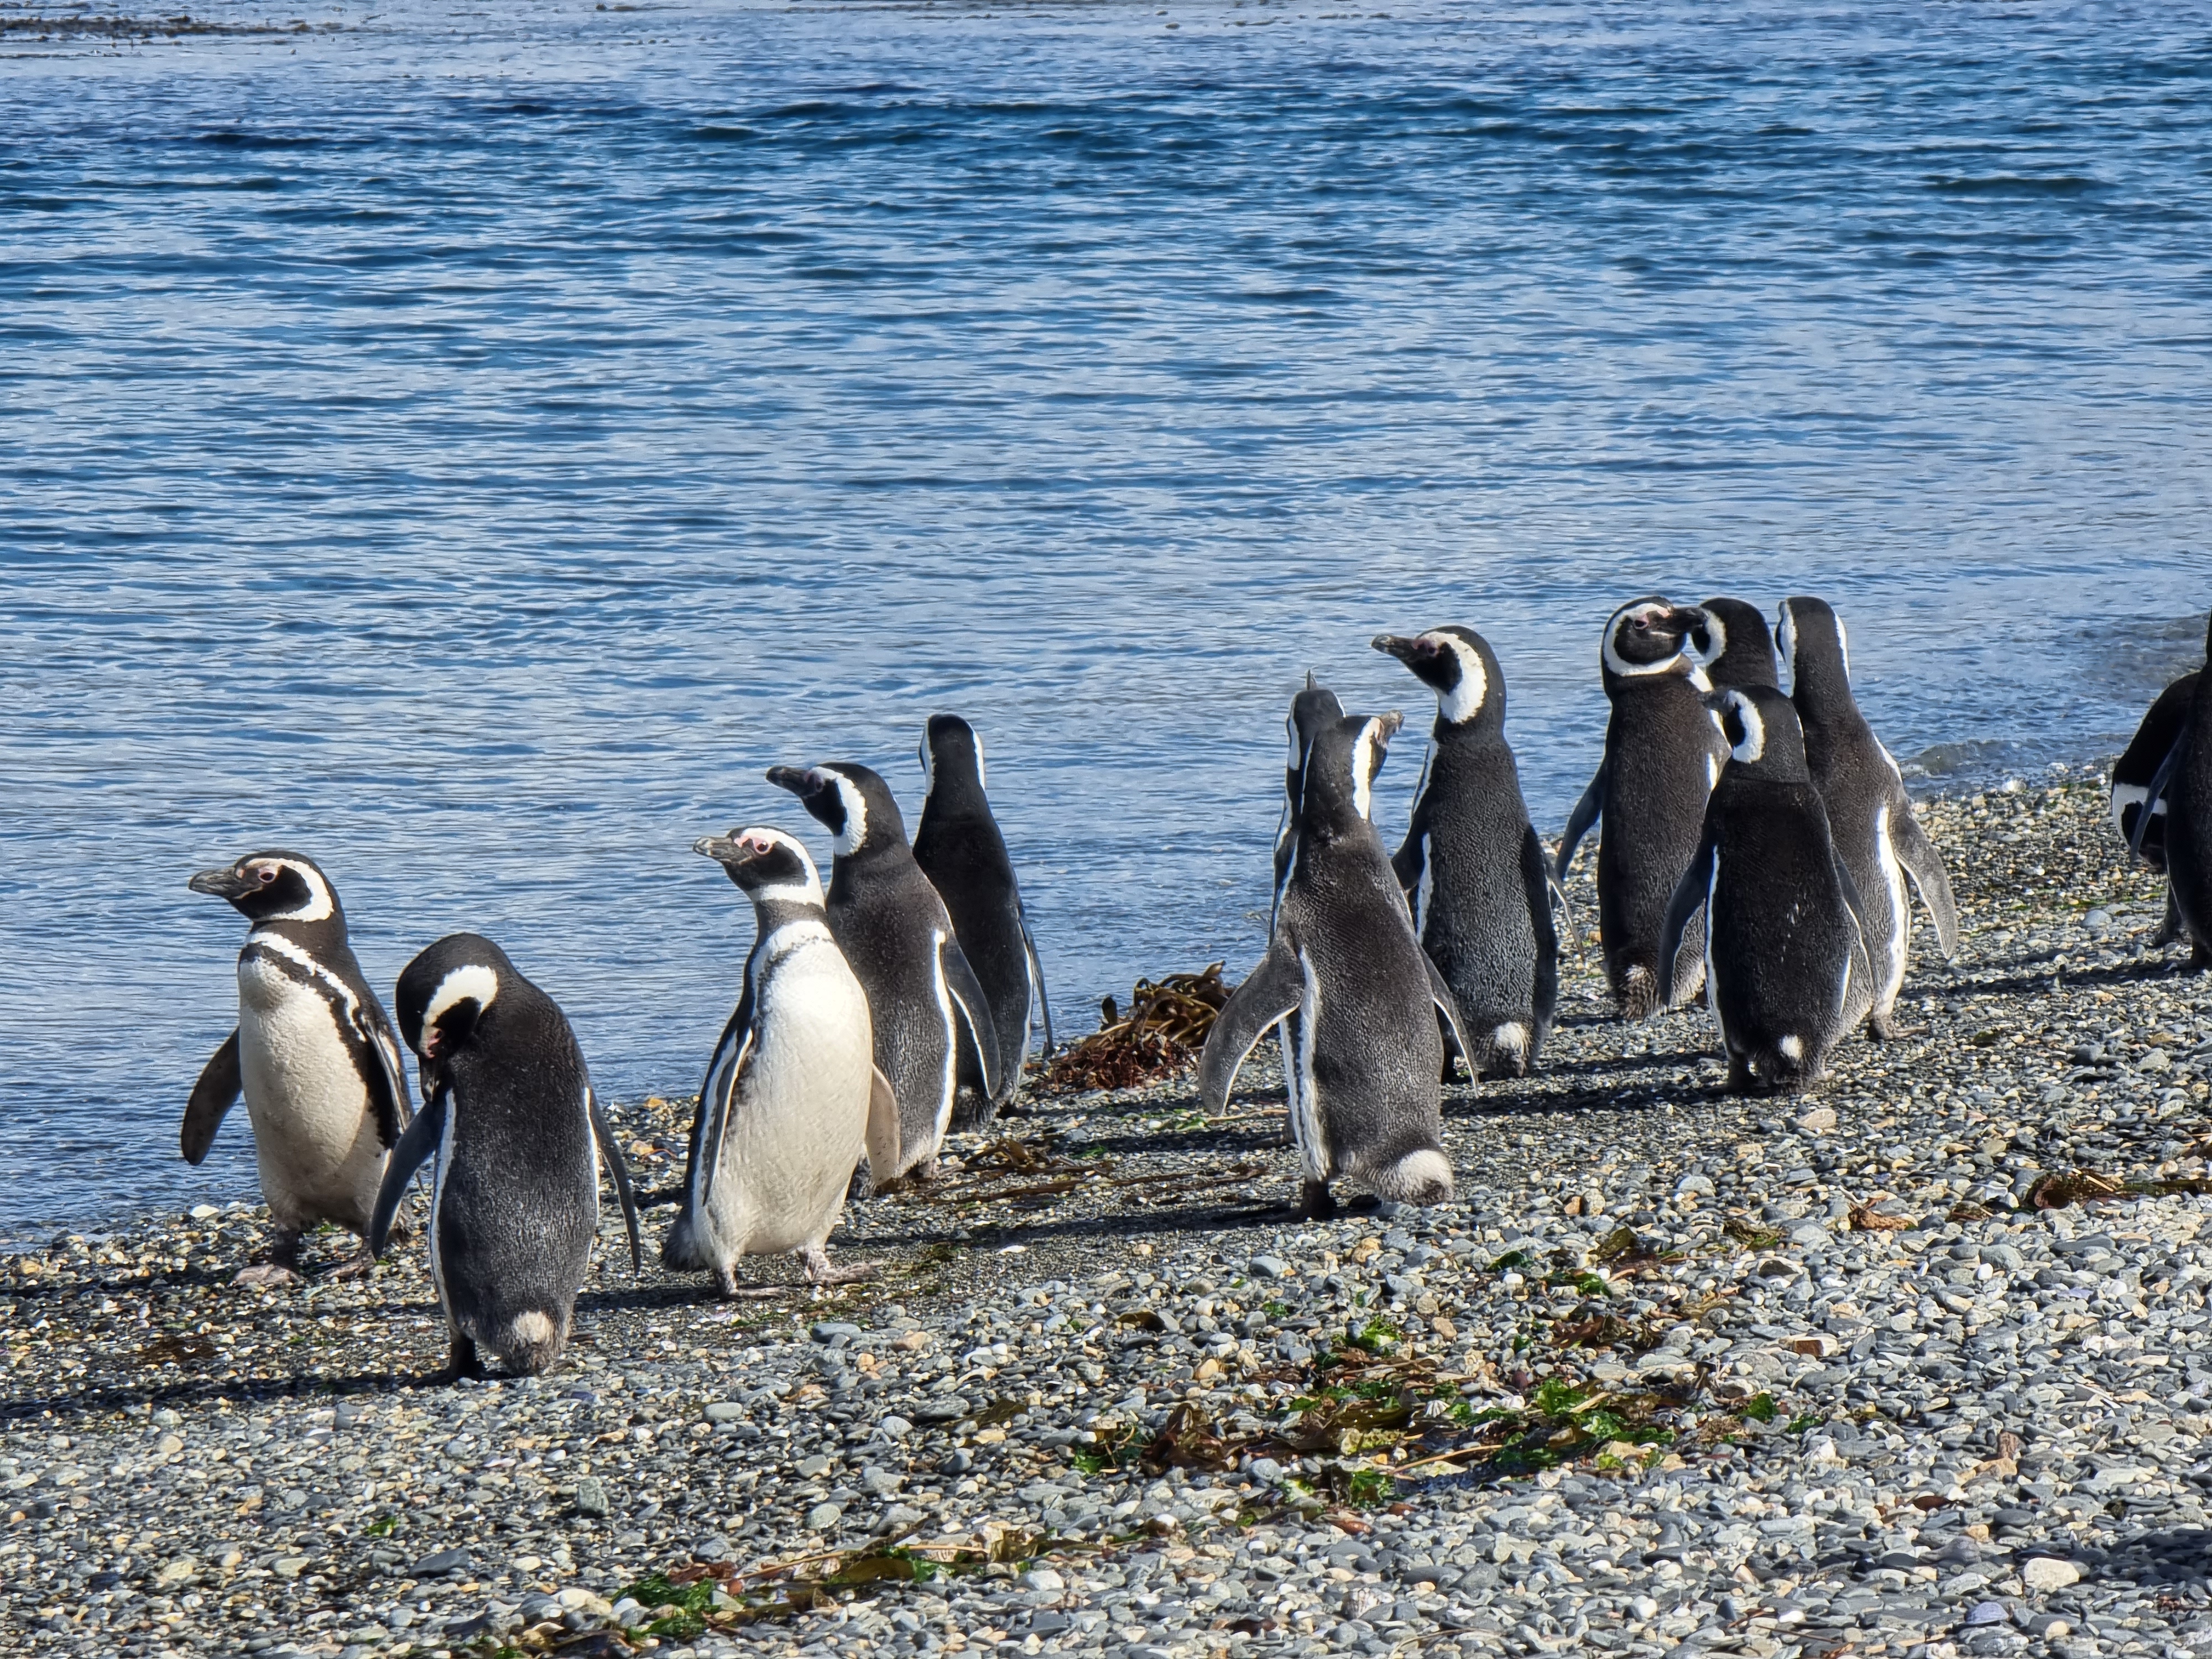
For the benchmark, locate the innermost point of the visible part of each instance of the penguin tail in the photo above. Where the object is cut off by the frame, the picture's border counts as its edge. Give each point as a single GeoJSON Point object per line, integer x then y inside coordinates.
{"type": "Point", "coordinates": [1423, 1176]}
{"type": "Point", "coordinates": [684, 1249]}
{"type": "Point", "coordinates": [1789, 1065]}
{"type": "Point", "coordinates": [1637, 991]}
{"type": "Point", "coordinates": [531, 1343]}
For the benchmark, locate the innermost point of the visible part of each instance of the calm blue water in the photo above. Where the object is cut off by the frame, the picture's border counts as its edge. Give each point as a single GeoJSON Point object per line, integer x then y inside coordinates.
{"type": "Point", "coordinates": [471, 443]}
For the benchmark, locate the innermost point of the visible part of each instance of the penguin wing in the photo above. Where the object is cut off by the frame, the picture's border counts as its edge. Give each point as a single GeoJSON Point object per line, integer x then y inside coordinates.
{"type": "Point", "coordinates": [712, 1121]}
{"type": "Point", "coordinates": [1689, 892]}
{"type": "Point", "coordinates": [1925, 865]}
{"type": "Point", "coordinates": [1448, 1006]}
{"type": "Point", "coordinates": [973, 1009]}
{"type": "Point", "coordinates": [1269, 992]}
{"type": "Point", "coordinates": [420, 1142]}
{"type": "Point", "coordinates": [1036, 983]}
{"type": "Point", "coordinates": [1413, 855]}
{"type": "Point", "coordinates": [387, 1082]}
{"type": "Point", "coordinates": [1586, 814]}
{"type": "Point", "coordinates": [611, 1150]}
{"type": "Point", "coordinates": [1543, 890]}
{"type": "Point", "coordinates": [883, 1133]}
{"type": "Point", "coordinates": [2157, 793]}
{"type": "Point", "coordinates": [217, 1091]}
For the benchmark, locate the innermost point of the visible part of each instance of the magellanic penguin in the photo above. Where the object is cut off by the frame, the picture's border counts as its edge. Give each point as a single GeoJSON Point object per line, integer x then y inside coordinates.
{"type": "Point", "coordinates": [792, 1096]}
{"type": "Point", "coordinates": [1786, 974]}
{"type": "Point", "coordinates": [1313, 708]}
{"type": "Point", "coordinates": [1662, 756]}
{"type": "Point", "coordinates": [1472, 863]}
{"type": "Point", "coordinates": [509, 1116]}
{"type": "Point", "coordinates": [923, 998]}
{"type": "Point", "coordinates": [2140, 820]}
{"type": "Point", "coordinates": [1733, 646]}
{"type": "Point", "coordinates": [1869, 814]}
{"type": "Point", "coordinates": [1346, 977]}
{"type": "Point", "coordinates": [312, 1054]}
{"type": "Point", "coordinates": [959, 849]}
{"type": "Point", "coordinates": [2184, 780]}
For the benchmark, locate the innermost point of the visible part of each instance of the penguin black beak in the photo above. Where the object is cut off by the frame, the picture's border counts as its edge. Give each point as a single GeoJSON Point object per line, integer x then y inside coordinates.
{"type": "Point", "coordinates": [218, 884]}
{"type": "Point", "coordinates": [800, 780]}
{"type": "Point", "coordinates": [1685, 620]}
{"type": "Point", "coordinates": [720, 848]}
{"type": "Point", "coordinates": [1398, 645]}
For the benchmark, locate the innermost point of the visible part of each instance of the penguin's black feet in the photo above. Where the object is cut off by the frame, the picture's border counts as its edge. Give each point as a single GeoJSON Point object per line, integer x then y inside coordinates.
{"type": "Point", "coordinates": [283, 1267]}
{"type": "Point", "coordinates": [2170, 931]}
{"type": "Point", "coordinates": [1883, 1027]}
{"type": "Point", "coordinates": [1316, 1203]}
{"type": "Point", "coordinates": [820, 1272]}
{"type": "Point", "coordinates": [462, 1365]}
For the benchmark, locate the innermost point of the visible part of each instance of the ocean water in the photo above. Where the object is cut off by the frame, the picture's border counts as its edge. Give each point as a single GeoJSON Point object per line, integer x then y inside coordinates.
{"type": "Point", "coordinates": [471, 442]}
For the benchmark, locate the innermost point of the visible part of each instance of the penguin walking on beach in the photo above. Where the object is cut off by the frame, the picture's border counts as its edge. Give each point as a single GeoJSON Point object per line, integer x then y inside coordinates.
{"type": "Point", "coordinates": [510, 1116]}
{"type": "Point", "coordinates": [959, 847]}
{"type": "Point", "coordinates": [1472, 863]}
{"type": "Point", "coordinates": [2184, 780]}
{"type": "Point", "coordinates": [313, 1055]}
{"type": "Point", "coordinates": [1346, 977]}
{"type": "Point", "coordinates": [1869, 815]}
{"type": "Point", "coordinates": [1662, 756]}
{"type": "Point", "coordinates": [1786, 972]}
{"type": "Point", "coordinates": [1733, 646]}
{"type": "Point", "coordinates": [2140, 819]}
{"type": "Point", "coordinates": [924, 1000]}
{"type": "Point", "coordinates": [792, 1096]}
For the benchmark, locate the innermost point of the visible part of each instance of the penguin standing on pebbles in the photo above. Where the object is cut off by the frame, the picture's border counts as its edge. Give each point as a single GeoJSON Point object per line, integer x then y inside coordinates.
{"type": "Point", "coordinates": [792, 1096]}
{"type": "Point", "coordinates": [1472, 864]}
{"type": "Point", "coordinates": [1345, 978]}
{"type": "Point", "coordinates": [508, 1113]}
{"type": "Point", "coordinates": [313, 1054]}
{"type": "Point", "coordinates": [1786, 973]}
{"type": "Point", "coordinates": [924, 1001]}
{"type": "Point", "coordinates": [959, 849]}
{"type": "Point", "coordinates": [1869, 814]}
{"type": "Point", "coordinates": [1662, 756]}
{"type": "Point", "coordinates": [2184, 779]}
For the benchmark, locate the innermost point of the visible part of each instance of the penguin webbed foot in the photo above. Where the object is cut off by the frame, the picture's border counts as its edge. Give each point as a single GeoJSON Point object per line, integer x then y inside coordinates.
{"type": "Point", "coordinates": [1316, 1202]}
{"type": "Point", "coordinates": [281, 1266]}
{"type": "Point", "coordinates": [355, 1265]}
{"type": "Point", "coordinates": [727, 1283]}
{"type": "Point", "coordinates": [463, 1364]}
{"type": "Point", "coordinates": [1883, 1027]}
{"type": "Point", "coordinates": [820, 1271]}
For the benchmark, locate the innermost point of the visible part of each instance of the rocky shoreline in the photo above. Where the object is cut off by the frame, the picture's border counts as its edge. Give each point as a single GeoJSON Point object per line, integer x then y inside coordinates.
{"type": "Point", "coordinates": [1918, 1363]}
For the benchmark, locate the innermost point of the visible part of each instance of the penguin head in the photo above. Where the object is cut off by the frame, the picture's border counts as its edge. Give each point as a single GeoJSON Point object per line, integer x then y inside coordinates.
{"type": "Point", "coordinates": [446, 991]}
{"type": "Point", "coordinates": [1816, 654]}
{"type": "Point", "coordinates": [1763, 737]}
{"type": "Point", "coordinates": [852, 803]}
{"type": "Point", "coordinates": [951, 760]}
{"type": "Point", "coordinates": [771, 866]}
{"type": "Point", "coordinates": [1732, 645]}
{"type": "Point", "coordinates": [1648, 636]}
{"type": "Point", "coordinates": [1338, 777]}
{"type": "Point", "coordinates": [1460, 664]}
{"type": "Point", "coordinates": [273, 886]}
{"type": "Point", "coordinates": [1315, 707]}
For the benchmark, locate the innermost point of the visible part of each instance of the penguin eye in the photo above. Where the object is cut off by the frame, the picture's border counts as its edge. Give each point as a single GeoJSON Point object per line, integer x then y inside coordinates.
{"type": "Point", "coordinates": [265, 875]}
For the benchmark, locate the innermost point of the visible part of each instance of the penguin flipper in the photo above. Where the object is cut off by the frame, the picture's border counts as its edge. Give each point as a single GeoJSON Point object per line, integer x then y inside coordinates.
{"type": "Point", "coordinates": [388, 1089]}
{"type": "Point", "coordinates": [1270, 991]}
{"type": "Point", "coordinates": [883, 1131]}
{"type": "Point", "coordinates": [611, 1150]}
{"type": "Point", "coordinates": [420, 1141]}
{"type": "Point", "coordinates": [2157, 793]}
{"type": "Point", "coordinates": [1036, 979]}
{"type": "Point", "coordinates": [1448, 1006]}
{"type": "Point", "coordinates": [712, 1121]}
{"type": "Point", "coordinates": [1543, 888]}
{"type": "Point", "coordinates": [219, 1085]}
{"type": "Point", "coordinates": [1929, 879]}
{"type": "Point", "coordinates": [974, 1011]}
{"type": "Point", "coordinates": [1690, 893]}
{"type": "Point", "coordinates": [1586, 812]}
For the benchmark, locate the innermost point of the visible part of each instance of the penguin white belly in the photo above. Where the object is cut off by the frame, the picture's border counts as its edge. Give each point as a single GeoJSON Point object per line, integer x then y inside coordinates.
{"type": "Point", "coordinates": [798, 1125]}
{"type": "Point", "coordinates": [1300, 1034]}
{"type": "Point", "coordinates": [1890, 970]}
{"type": "Point", "coordinates": [314, 1132]}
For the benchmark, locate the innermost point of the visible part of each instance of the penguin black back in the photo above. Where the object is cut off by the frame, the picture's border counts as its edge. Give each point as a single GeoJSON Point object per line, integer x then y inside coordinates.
{"type": "Point", "coordinates": [2138, 764]}
{"type": "Point", "coordinates": [2185, 778]}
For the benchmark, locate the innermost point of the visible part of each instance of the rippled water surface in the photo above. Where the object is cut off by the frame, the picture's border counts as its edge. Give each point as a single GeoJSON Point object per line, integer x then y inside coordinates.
{"type": "Point", "coordinates": [469, 444]}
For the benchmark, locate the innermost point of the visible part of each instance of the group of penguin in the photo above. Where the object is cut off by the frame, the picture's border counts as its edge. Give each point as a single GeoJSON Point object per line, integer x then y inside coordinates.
{"type": "Point", "coordinates": [1756, 843]}
{"type": "Point", "coordinates": [871, 1013]}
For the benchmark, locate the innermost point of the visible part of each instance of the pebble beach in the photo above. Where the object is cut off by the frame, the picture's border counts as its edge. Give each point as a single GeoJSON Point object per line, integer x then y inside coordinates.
{"type": "Point", "coordinates": [1918, 1363]}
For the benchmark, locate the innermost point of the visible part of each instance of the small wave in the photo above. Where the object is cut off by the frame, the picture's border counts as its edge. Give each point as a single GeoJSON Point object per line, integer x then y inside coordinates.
{"type": "Point", "coordinates": [2016, 184]}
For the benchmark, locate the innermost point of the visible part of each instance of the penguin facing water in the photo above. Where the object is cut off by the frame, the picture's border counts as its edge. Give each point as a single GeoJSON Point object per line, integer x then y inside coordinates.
{"type": "Point", "coordinates": [1733, 646]}
{"type": "Point", "coordinates": [313, 1055]}
{"type": "Point", "coordinates": [510, 1116]}
{"type": "Point", "coordinates": [959, 847]}
{"type": "Point", "coordinates": [924, 1000]}
{"type": "Point", "coordinates": [1472, 864]}
{"type": "Point", "coordinates": [792, 1096]}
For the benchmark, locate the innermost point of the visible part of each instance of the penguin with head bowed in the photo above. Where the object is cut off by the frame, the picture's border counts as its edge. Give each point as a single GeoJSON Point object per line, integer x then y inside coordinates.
{"type": "Point", "coordinates": [1471, 865]}
{"type": "Point", "coordinates": [510, 1116]}
{"type": "Point", "coordinates": [1869, 814]}
{"type": "Point", "coordinates": [2184, 780]}
{"type": "Point", "coordinates": [1662, 756]}
{"type": "Point", "coordinates": [924, 1002]}
{"type": "Point", "coordinates": [1345, 978]}
{"type": "Point", "coordinates": [1786, 972]}
{"type": "Point", "coordinates": [313, 1055]}
{"type": "Point", "coordinates": [1733, 646]}
{"type": "Point", "coordinates": [2140, 819]}
{"type": "Point", "coordinates": [959, 847]}
{"type": "Point", "coordinates": [792, 1096]}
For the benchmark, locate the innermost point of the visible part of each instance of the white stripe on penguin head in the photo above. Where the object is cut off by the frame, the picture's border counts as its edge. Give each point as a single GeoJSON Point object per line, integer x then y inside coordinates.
{"type": "Point", "coordinates": [1364, 764]}
{"type": "Point", "coordinates": [1755, 729]}
{"type": "Point", "coordinates": [1620, 665]}
{"type": "Point", "coordinates": [472, 983]}
{"type": "Point", "coordinates": [856, 813]}
{"type": "Point", "coordinates": [1785, 635]}
{"type": "Point", "coordinates": [808, 891]}
{"type": "Point", "coordinates": [1464, 700]}
{"type": "Point", "coordinates": [319, 907]}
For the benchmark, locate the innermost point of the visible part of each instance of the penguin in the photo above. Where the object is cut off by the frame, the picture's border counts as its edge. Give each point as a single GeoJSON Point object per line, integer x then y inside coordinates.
{"type": "Point", "coordinates": [1662, 756]}
{"type": "Point", "coordinates": [792, 1096]}
{"type": "Point", "coordinates": [1346, 977]}
{"type": "Point", "coordinates": [1313, 708]}
{"type": "Point", "coordinates": [1869, 815]}
{"type": "Point", "coordinates": [2142, 821]}
{"type": "Point", "coordinates": [312, 1054]}
{"type": "Point", "coordinates": [1733, 646]}
{"type": "Point", "coordinates": [509, 1116]}
{"type": "Point", "coordinates": [2184, 780]}
{"type": "Point", "coordinates": [1786, 971]}
{"type": "Point", "coordinates": [897, 933]}
{"type": "Point", "coordinates": [959, 849]}
{"type": "Point", "coordinates": [1472, 864]}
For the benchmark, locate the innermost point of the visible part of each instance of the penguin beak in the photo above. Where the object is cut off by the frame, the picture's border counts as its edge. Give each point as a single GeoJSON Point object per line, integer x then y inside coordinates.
{"type": "Point", "coordinates": [720, 848]}
{"type": "Point", "coordinates": [799, 780]}
{"type": "Point", "coordinates": [1685, 620]}
{"type": "Point", "coordinates": [218, 884]}
{"type": "Point", "coordinates": [1405, 650]}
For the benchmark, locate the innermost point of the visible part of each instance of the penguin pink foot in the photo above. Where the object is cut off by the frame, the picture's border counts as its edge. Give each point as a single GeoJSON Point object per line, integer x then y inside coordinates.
{"type": "Point", "coordinates": [819, 1272]}
{"type": "Point", "coordinates": [283, 1267]}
